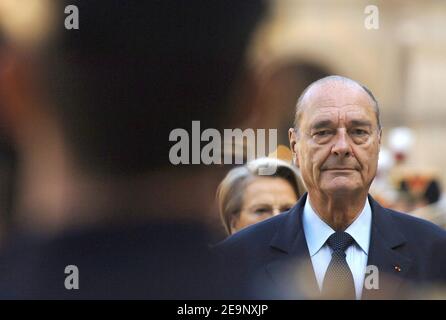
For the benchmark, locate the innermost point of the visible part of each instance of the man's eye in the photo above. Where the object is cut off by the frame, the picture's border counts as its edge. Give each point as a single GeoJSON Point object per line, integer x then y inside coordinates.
{"type": "Point", "coordinates": [359, 132]}
{"type": "Point", "coordinates": [323, 133]}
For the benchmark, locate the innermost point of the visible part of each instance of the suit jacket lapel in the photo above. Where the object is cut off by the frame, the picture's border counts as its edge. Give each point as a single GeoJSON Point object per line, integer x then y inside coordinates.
{"type": "Point", "coordinates": [291, 269]}
{"type": "Point", "coordinates": [384, 253]}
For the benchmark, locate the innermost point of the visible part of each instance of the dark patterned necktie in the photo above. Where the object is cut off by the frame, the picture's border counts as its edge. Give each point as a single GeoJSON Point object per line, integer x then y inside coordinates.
{"type": "Point", "coordinates": [338, 281]}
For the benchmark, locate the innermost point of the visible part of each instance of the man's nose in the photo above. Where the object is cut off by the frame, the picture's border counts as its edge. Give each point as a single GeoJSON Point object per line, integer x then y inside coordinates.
{"type": "Point", "coordinates": [342, 147]}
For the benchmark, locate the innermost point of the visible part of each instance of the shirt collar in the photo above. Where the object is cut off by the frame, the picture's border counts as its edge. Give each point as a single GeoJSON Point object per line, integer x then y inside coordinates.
{"type": "Point", "coordinates": [317, 231]}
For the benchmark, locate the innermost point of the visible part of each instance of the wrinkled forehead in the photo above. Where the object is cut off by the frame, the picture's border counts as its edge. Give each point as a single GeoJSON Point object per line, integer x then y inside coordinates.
{"type": "Point", "coordinates": [340, 115]}
{"type": "Point", "coordinates": [343, 103]}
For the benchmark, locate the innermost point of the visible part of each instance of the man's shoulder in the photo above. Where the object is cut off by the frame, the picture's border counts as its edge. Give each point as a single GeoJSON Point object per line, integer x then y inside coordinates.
{"type": "Point", "coordinates": [416, 227]}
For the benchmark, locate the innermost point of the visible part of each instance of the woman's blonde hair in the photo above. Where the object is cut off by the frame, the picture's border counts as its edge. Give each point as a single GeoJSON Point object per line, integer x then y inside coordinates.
{"type": "Point", "coordinates": [231, 190]}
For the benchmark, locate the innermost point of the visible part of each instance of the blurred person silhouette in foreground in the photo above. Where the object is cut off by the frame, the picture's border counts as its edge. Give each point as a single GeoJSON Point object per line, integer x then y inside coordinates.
{"type": "Point", "coordinates": [90, 112]}
{"type": "Point", "coordinates": [245, 196]}
{"type": "Point", "coordinates": [8, 164]}
{"type": "Point", "coordinates": [337, 242]}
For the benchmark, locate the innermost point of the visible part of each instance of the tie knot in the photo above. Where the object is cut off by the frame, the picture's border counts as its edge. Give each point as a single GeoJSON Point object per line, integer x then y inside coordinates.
{"type": "Point", "coordinates": [340, 241]}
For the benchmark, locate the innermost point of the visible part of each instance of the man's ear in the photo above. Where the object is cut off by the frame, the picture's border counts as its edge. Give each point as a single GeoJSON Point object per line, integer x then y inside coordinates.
{"type": "Point", "coordinates": [292, 135]}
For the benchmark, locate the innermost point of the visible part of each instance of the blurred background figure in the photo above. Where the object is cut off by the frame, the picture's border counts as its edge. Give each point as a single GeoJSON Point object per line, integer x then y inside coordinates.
{"type": "Point", "coordinates": [246, 197]}
{"type": "Point", "coordinates": [89, 113]}
{"type": "Point", "coordinates": [420, 193]}
{"type": "Point", "coordinates": [415, 189]}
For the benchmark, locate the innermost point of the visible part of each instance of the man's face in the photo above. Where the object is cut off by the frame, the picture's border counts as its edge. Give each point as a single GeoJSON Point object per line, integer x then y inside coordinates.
{"type": "Point", "coordinates": [338, 140]}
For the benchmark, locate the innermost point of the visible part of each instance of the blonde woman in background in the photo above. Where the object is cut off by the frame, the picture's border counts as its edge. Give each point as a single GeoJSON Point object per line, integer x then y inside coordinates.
{"type": "Point", "coordinates": [246, 197]}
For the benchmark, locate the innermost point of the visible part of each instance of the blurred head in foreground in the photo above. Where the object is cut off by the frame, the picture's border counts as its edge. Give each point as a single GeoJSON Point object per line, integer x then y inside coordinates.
{"type": "Point", "coordinates": [92, 109]}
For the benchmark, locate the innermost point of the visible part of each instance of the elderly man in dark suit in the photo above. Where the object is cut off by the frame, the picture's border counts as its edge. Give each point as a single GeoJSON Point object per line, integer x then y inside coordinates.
{"type": "Point", "coordinates": [337, 242]}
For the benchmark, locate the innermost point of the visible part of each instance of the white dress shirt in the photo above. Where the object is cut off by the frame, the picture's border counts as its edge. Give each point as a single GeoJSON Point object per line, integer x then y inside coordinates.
{"type": "Point", "coordinates": [316, 234]}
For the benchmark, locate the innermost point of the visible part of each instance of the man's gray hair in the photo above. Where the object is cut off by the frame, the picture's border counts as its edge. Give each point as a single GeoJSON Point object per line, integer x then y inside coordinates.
{"type": "Point", "coordinates": [335, 78]}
